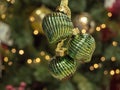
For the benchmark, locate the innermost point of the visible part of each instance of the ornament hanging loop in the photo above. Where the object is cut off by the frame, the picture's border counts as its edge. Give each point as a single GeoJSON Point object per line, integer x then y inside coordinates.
{"type": "Point", "coordinates": [64, 3]}
{"type": "Point", "coordinates": [60, 50]}
{"type": "Point", "coordinates": [64, 8]}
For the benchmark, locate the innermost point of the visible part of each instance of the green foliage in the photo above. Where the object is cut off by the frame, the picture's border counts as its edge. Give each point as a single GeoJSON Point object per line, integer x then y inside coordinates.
{"type": "Point", "coordinates": [83, 83]}
{"type": "Point", "coordinates": [66, 86]}
{"type": "Point", "coordinates": [78, 6]}
{"type": "Point", "coordinates": [112, 51]}
{"type": "Point", "coordinates": [41, 73]}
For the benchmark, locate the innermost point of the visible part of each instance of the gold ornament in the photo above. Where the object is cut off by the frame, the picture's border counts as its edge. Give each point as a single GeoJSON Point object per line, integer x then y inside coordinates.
{"type": "Point", "coordinates": [85, 23]}
{"type": "Point", "coordinates": [36, 18]}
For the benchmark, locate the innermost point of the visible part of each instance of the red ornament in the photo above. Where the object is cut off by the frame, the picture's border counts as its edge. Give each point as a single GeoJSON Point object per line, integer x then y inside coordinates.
{"type": "Point", "coordinates": [22, 84]}
{"type": "Point", "coordinates": [113, 6]}
{"type": "Point", "coordinates": [9, 87]}
{"type": "Point", "coordinates": [115, 82]}
{"type": "Point", "coordinates": [107, 34]}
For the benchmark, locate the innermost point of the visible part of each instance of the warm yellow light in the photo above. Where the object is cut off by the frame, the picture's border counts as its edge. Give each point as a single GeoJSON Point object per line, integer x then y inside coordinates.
{"type": "Point", "coordinates": [113, 59]}
{"type": "Point", "coordinates": [102, 59]}
{"type": "Point", "coordinates": [32, 19]}
{"type": "Point", "coordinates": [98, 28]}
{"type": "Point", "coordinates": [112, 72]}
{"type": "Point", "coordinates": [3, 16]}
{"type": "Point", "coordinates": [21, 52]}
{"type": "Point", "coordinates": [5, 59]}
{"type": "Point", "coordinates": [42, 53]}
{"type": "Point", "coordinates": [10, 63]}
{"type": "Point", "coordinates": [47, 57]}
{"type": "Point", "coordinates": [114, 43]}
{"type": "Point", "coordinates": [8, 0]}
{"type": "Point", "coordinates": [117, 71]}
{"type": "Point", "coordinates": [83, 31]}
{"type": "Point", "coordinates": [38, 12]}
{"type": "Point", "coordinates": [13, 50]}
{"type": "Point", "coordinates": [103, 26]}
{"type": "Point", "coordinates": [83, 20]}
{"type": "Point", "coordinates": [109, 14]}
{"type": "Point", "coordinates": [96, 65]}
{"type": "Point", "coordinates": [12, 1]}
{"type": "Point", "coordinates": [105, 72]}
{"type": "Point", "coordinates": [37, 60]}
{"type": "Point", "coordinates": [35, 32]}
{"type": "Point", "coordinates": [29, 61]}
{"type": "Point", "coordinates": [91, 68]}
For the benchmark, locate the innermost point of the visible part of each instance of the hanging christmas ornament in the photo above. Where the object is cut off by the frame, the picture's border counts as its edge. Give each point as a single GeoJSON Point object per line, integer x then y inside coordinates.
{"type": "Point", "coordinates": [62, 67]}
{"type": "Point", "coordinates": [58, 25]}
{"type": "Point", "coordinates": [3, 6]}
{"type": "Point", "coordinates": [81, 47]}
{"type": "Point", "coordinates": [113, 6]}
{"type": "Point", "coordinates": [37, 16]}
{"type": "Point", "coordinates": [5, 34]}
{"type": "Point", "coordinates": [84, 22]}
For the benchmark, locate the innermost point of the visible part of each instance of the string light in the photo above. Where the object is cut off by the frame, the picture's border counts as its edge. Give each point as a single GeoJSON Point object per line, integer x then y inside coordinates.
{"type": "Point", "coordinates": [37, 60]}
{"type": "Point", "coordinates": [83, 20]}
{"type": "Point", "coordinates": [91, 68]}
{"type": "Point", "coordinates": [32, 19]}
{"type": "Point", "coordinates": [83, 31]}
{"type": "Point", "coordinates": [102, 59]}
{"type": "Point", "coordinates": [13, 50]}
{"type": "Point", "coordinates": [105, 72]}
{"type": "Point", "coordinates": [96, 65]}
{"type": "Point", "coordinates": [114, 43]}
{"type": "Point", "coordinates": [8, 0]}
{"type": "Point", "coordinates": [3, 16]}
{"type": "Point", "coordinates": [109, 14]}
{"type": "Point", "coordinates": [117, 71]}
{"type": "Point", "coordinates": [98, 28]}
{"type": "Point", "coordinates": [21, 52]}
{"type": "Point", "coordinates": [42, 53]}
{"type": "Point", "coordinates": [38, 12]}
{"type": "Point", "coordinates": [113, 59]}
{"type": "Point", "coordinates": [5, 59]}
{"type": "Point", "coordinates": [35, 32]}
{"type": "Point", "coordinates": [29, 61]}
{"type": "Point", "coordinates": [47, 57]}
{"type": "Point", "coordinates": [112, 72]}
{"type": "Point", "coordinates": [10, 63]}
{"type": "Point", "coordinates": [12, 1]}
{"type": "Point", "coordinates": [103, 26]}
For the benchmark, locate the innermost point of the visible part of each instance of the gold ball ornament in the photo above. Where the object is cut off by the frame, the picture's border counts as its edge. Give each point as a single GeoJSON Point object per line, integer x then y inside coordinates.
{"type": "Point", "coordinates": [37, 16]}
{"type": "Point", "coordinates": [3, 6]}
{"type": "Point", "coordinates": [84, 22]}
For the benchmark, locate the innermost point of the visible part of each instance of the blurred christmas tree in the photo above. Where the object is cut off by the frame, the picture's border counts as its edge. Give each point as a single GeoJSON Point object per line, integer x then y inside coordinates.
{"type": "Point", "coordinates": [25, 51]}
